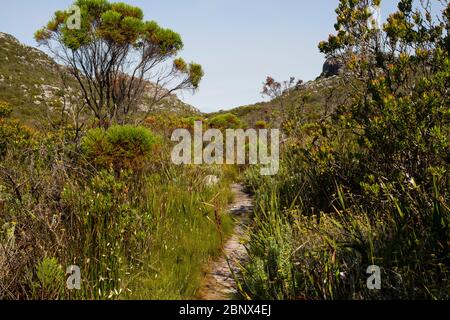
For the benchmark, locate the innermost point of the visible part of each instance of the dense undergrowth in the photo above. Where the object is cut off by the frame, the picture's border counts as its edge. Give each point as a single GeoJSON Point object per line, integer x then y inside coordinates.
{"type": "Point", "coordinates": [369, 183]}
{"type": "Point", "coordinates": [114, 205]}
{"type": "Point", "coordinates": [364, 180]}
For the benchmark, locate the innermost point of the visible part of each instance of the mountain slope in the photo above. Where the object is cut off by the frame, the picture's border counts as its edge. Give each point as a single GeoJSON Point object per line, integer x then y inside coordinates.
{"type": "Point", "coordinates": [31, 82]}
{"type": "Point", "coordinates": [316, 97]}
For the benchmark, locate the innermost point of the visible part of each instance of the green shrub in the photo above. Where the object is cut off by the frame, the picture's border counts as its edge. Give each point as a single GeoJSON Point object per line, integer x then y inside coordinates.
{"type": "Point", "coordinates": [226, 121]}
{"type": "Point", "coordinates": [120, 147]}
{"type": "Point", "coordinates": [261, 124]}
{"type": "Point", "coordinates": [50, 280]}
{"type": "Point", "coordinates": [190, 121]}
{"type": "Point", "coordinates": [5, 110]}
{"type": "Point", "coordinates": [12, 133]}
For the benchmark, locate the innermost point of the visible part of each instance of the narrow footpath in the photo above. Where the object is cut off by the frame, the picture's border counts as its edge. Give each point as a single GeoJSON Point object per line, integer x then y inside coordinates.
{"type": "Point", "coordinates": [219, 283]}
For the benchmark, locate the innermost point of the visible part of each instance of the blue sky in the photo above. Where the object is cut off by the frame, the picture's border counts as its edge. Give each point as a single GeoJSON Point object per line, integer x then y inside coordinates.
{"type": "Point", "coordinates": [238, 42]}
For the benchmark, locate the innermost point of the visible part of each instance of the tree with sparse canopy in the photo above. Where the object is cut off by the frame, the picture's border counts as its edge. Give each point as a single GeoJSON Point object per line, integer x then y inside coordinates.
{"type": "Point", "coordinates": [115, 55]}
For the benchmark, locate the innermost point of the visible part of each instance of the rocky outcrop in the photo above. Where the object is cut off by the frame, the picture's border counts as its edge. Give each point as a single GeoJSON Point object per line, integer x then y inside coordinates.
{"type": "Point", "coordinates": [332, 67]}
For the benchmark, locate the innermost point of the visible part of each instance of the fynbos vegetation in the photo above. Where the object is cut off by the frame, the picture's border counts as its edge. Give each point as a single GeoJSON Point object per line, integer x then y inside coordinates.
{"type": "Point", "coordinates": [105, 174]}
{"type": "Point", "coordinates": [86, 187]}
{"type": "Point", "coordinates": [367, 184]}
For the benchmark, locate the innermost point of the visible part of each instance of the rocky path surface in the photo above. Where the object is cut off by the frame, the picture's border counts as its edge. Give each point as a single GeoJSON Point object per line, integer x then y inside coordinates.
{"type": "Point", "coordinates": [219, 283]}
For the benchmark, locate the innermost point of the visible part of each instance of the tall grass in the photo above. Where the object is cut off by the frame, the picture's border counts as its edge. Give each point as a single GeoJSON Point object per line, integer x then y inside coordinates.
{"type": "Point", "coordinates": [140, 234]}
{"type": "Point", "coordinates": [297, 254]}
{"type": "Point", "coordinates": [364, 178]}
{"type": "Point", "coordinates": [185, 236]}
